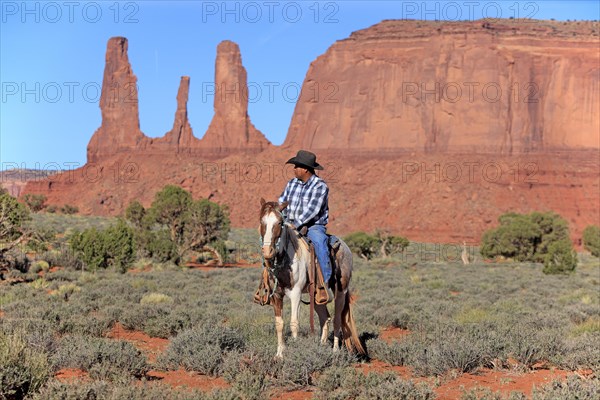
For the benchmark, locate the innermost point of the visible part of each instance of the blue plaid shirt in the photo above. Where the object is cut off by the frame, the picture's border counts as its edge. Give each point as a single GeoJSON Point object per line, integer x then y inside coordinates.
{"type": "Point", "coordinates": [307, 202]}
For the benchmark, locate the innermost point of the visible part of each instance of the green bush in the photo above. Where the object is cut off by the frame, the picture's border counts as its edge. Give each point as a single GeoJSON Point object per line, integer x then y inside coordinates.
{"type": "Point", "coordinates": [176, 225]}
{"type": "Point", "coordinates": [561, 258]}
{"type": "Point", "coordinates": [157, 244]}
{"type": "Point", "coordinates": [135, 213]}
{"type": "Point", "coordinates": [69, 209]}
{"type": "Point", "coordinates": [527, 237]}
{"type": "Point", "coordinates": [13, 215]}
{"type": "Point", "coordinates": [35, 202]}
{"type": "Point", "coordinates": [23, 369]}
{"type": "Point", "coordinates": [515, 238]}
{"type": "Point", "coordinates": [591, 239]}
{"type": "Point", "coordinates": [380, 244]}
{"type": "Point", "coordinates": [363, 244]}
{"type": "Point", "coordinates": [112, 247]}
{"type": "Point", "coordinates": [389, 244]}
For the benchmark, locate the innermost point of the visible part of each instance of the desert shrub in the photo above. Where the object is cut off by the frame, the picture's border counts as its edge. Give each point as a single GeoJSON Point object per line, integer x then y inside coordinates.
{"type": "Point", "coordinates": [62, 257]}
{"type": "Point", "coordinates": [250, 371]}
{"type": "Point", "coordinates": [450, 346]}
{"type": "Point", "coordinates": [571, 388]}
{"type": "Point", "coordinates": [395, 353]}
{"type": "Point", "coordinates": [156, 298]}
{"type": "Point", "coordinates": [112, 247]}
{"type": "Point", "coordinates": [362, 243]}
{"type": "Point", "coordinates": [487, 394]}
{"type": "Point", "coordinates": [591, 239]}
{"type": "Point", "coordinates": [69, 209]}
{"type": "Point", "coordinates": [23, 369]}
{"type": "Point", "coordinates": [39, 266]}
{"type": "Point", "coordinates": [102, 358]}
{"type": "Point", "coordinates": [529, 343]}
{"type": "Point", "coordinates": [348, 383]}
{"type": "Point", "coordinates": [51, 209]}
{"type": "Point", "coordinates": [155, 319]}
{"type": "Point", "coordinates": [577, 354]}
{"type": "Point", "coordinates": [201, 349]}
{"type": "Point", "coordinates": [561, 258]}
{"type": "Point", "coordinates": [305, 357]}
{"type": "Point", "coordinates": [35, 202]}
{"type": "Point", "coordinates": [56, 390]}
{"type": "Point", "coordinates": [528, 237]}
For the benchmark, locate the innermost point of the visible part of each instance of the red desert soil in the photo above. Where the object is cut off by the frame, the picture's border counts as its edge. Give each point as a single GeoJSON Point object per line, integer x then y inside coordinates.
{"type": "Point", "coordinates": [392, 333]}
{"type": "Point", "coordinates": [192, 380]}
{"type": "Point", "coordinates": [71, 374]}
{"type": "Point", "coordinates": [293, 395]}
{"type": "Point", "coordinates": [150, 346]}
{"type": "Point", "coordinates": [502, 381]}
{"type": "Point", "coordinates": [498, 381]}
{"type": "Point", "coordinates": [380, 367]}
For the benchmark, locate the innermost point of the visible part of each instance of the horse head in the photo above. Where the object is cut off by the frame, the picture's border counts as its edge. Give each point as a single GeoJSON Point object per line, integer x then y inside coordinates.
{"type": "Point", "coordinates": [271, 226]}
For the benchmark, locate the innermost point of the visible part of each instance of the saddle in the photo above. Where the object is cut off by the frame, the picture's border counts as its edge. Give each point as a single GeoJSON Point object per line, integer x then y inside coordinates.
{"type": "Point", "coordinates": [317, 288]}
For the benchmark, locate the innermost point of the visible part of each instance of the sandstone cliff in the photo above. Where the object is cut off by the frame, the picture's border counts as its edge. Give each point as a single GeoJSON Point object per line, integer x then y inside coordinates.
{"type": "Point", "coordinates": [487, 86]}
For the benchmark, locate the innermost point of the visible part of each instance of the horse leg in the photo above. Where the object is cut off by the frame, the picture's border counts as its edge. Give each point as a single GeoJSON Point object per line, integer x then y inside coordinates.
{"type": "Point", "coordinates": [340, 301]}
{"type": "Point", "coordinates": [324, 320]}
{"type": "Point", "coordinates": [278, 308]}
{"type": "Point", "coordinates": [295, 296]}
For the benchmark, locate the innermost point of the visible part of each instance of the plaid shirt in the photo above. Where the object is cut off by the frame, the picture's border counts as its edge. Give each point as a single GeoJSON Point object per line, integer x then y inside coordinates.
{"type": "Point", "coordinates": [307, 202]}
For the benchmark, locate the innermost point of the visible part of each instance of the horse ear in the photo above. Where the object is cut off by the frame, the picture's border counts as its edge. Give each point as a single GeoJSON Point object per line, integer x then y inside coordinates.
{"type": "Point", "coordinates": [262, 202]}
{"type": "Point", "coordinates": [283, 205]}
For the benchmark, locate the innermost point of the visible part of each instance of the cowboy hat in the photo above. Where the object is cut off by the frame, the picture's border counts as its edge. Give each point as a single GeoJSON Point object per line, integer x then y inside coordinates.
{"type": "Point", "coordinates": [305, 159]}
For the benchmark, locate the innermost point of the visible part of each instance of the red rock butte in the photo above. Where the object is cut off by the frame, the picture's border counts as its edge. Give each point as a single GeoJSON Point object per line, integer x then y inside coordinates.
{"type": "Point", "coordinates": [230, 130]}
{"type": "Point", "coordinates": [430, 130]}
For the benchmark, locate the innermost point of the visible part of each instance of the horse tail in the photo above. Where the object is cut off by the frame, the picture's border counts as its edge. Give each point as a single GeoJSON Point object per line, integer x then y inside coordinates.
{"type": "Point", "coordinates": [349, 333]}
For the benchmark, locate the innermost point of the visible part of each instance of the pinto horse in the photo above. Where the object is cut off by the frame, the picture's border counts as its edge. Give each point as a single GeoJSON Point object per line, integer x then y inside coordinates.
{"type": "Point", "coordinates": [288, 257]}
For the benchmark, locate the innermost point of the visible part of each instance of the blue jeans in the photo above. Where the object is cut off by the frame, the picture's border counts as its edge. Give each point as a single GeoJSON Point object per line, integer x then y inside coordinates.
{"type": "Point", "coordinates": [316, 234]}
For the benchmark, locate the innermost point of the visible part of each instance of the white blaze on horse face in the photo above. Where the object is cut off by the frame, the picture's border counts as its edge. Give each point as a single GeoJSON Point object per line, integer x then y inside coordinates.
{"type": "Point", "coordinates": [269, 220]}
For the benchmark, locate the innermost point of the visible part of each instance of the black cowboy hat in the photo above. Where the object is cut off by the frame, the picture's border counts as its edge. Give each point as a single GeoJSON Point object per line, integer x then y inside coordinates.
{"type": "Point", "coordinates": [305, 159]}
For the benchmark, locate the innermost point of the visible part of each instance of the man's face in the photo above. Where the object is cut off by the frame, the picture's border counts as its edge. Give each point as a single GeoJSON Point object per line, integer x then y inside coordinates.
{"type": "Point", "coordinates": [300, 172]}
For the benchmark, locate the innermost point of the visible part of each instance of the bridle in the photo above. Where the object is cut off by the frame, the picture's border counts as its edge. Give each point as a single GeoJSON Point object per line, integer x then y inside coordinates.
{"type": "Point", "coordinates": [277, 254]}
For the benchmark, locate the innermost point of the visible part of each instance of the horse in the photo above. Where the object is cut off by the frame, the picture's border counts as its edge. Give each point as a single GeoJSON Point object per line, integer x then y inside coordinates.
{"type": "Point", "coordinates": [287, 257]}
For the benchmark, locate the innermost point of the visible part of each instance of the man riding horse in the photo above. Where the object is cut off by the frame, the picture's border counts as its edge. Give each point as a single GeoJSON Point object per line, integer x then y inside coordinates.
{"type": "Point", "coordinates": [308, 206]}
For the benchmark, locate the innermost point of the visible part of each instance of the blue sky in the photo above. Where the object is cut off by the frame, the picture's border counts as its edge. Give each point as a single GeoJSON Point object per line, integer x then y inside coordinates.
{"type": "Point", "coordinates": [52, 59]}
